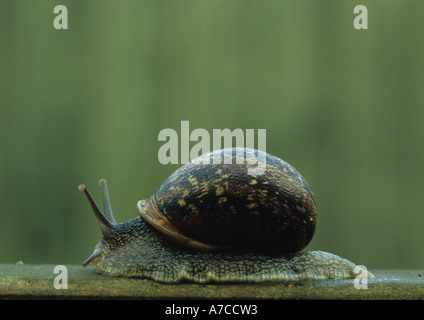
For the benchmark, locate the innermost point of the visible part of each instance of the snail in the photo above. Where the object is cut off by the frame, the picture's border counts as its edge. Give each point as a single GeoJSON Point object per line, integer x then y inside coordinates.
{"type": "Point", "coordinates": [212, 221]}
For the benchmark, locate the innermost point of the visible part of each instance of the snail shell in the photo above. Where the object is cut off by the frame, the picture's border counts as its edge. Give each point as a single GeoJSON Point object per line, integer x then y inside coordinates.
{"type": "Point", "coordinates": [212, 206]}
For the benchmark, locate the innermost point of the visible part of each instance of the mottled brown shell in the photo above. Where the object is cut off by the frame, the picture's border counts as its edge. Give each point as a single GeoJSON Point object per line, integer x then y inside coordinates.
{"type": "Point", "coordinates": [209, 206]}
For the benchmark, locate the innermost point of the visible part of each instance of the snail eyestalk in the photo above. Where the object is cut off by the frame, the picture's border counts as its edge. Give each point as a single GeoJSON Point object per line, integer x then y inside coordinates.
{"type": "Point", "coordinates": [106, 226]}
{"type": "Point", "coordinates": [106, 202]}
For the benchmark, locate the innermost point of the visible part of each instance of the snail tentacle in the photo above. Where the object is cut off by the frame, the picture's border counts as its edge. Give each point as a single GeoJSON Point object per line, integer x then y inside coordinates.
{"type": "Point", "coordinates": [106, 201]}
{"type": "Point", "coordinates": [106, 226]}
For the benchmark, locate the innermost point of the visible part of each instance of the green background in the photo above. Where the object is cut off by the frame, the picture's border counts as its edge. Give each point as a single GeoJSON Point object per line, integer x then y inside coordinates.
{"type": "Point", "coordinates": [344, 106]}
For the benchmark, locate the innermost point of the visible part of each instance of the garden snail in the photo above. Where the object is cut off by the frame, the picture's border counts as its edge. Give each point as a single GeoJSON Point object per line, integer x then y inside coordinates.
{"type": "Point", "coordinates": [214, 222]}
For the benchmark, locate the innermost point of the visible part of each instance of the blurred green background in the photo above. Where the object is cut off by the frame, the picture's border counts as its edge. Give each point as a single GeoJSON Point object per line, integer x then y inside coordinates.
{"type": "Point", "coordinates": [345, 107]}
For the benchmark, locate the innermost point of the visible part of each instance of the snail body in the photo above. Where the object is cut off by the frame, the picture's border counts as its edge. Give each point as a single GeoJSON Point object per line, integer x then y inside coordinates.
{"type": "Point", "coordinates": [212, 221]}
